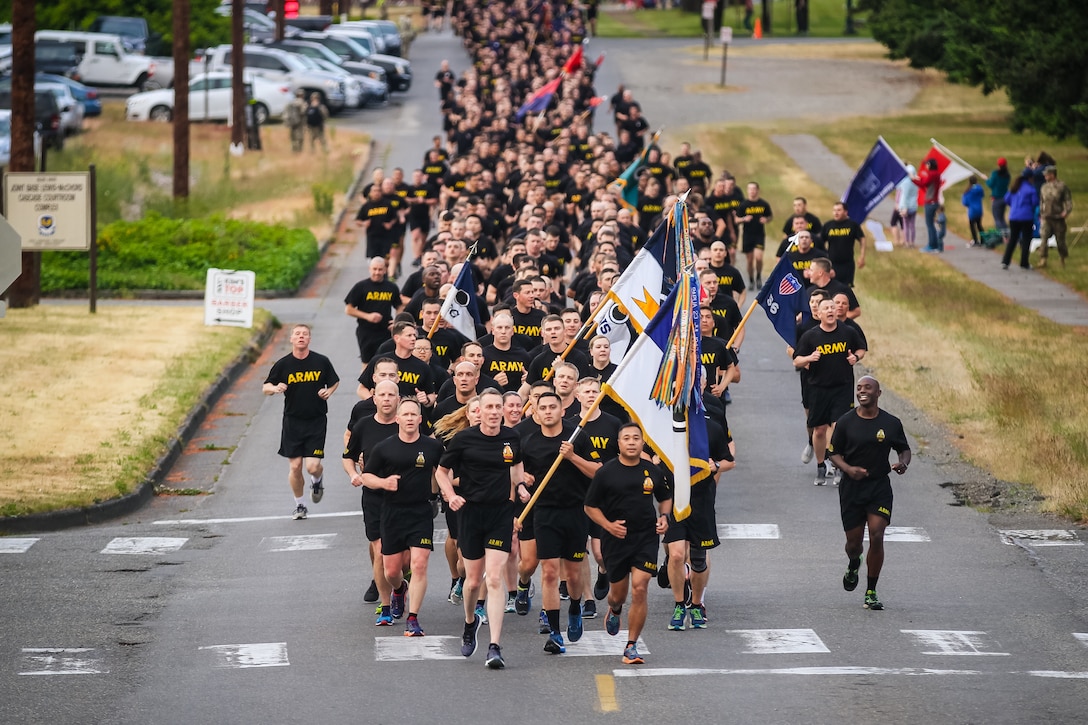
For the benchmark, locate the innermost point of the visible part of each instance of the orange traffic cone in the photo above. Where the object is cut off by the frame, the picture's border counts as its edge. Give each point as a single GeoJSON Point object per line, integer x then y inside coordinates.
{"type": "Point", "coordinates": [757, 33]}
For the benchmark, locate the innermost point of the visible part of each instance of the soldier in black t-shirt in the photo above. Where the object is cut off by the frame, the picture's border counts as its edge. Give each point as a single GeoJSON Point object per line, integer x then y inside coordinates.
{"type": "Point", "coordinates": [722, 204]}
{"type": "Point", "coordinates": [621, 501]}
{"type": "Point", "coordinates": [402, 468]}
{"type": "Point", "coordinates": [726, 312]}
{"type": "Point", "coordinates": [527, 317]}
{"type": "Point", "coordinates": [502, 360]}
{"type": "Point", "coordinates": [802, 256]}
{"type": "Point", "coordinates": [306, 379]}
{"type": "Point", "coordinates": [860, 446]}
{"type": "Point", "coordinates": [754, 213]}
{"type": "Point", "coordinates": [830, 353]}
{"type": "Point", "coordinates": [487, 461]}
{"type": "Point", "coordinates": [378, 217]}
{"type": "Point", "coordinates": [840, 234]}
{"type": "Point", "coordinates": [811, 222]}
{"type": "Point", "coordinates": [730, 280]}
{"type": "Point", "coordinates": [372, 303]}
{"type": "Point", "coordinates": [819, 274]}
{"type": "Point", "coordinates": [416, 380]}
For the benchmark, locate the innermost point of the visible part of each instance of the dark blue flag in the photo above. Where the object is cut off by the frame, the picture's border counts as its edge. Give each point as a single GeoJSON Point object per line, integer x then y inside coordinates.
{"type": "Point", "coordinates": [875, 179]}
{"type": "Point", "coordinates": [782, 298]}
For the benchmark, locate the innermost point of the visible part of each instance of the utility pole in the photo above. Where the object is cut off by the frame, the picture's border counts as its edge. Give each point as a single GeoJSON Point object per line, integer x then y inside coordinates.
{"type": "Point", "coordinates": [281, 22]}
{"type": "Point", "coordinates": [181, 99]}
{"type": "Point", "coordinates": [850, 28]}
{"type": "Point", "coordinates": [26, 291]}
{"type": "Point", "coordinates": [237, 81]}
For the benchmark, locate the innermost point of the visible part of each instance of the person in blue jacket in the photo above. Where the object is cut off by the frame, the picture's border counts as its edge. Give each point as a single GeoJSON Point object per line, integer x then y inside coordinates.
{"type": "Point", "coordinates": [1021, 199]}
{"type": "Point", "coordinates": [972, 199]}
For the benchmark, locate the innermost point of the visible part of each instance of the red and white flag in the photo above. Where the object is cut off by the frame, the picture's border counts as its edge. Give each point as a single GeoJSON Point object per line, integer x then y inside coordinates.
{"type": "Point", "coordinates": [951, 167]}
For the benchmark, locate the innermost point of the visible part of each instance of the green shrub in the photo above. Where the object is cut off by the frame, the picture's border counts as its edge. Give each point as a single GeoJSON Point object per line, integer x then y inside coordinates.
{"type": "Point", "coordinates": [174, 254]}
{"type": "Point", "coordinates": [323, 199]}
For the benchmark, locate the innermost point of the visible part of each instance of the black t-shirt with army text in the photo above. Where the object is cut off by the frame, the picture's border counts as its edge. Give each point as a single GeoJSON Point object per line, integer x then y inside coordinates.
{"type": "Point", "coordinates": [304, 379]}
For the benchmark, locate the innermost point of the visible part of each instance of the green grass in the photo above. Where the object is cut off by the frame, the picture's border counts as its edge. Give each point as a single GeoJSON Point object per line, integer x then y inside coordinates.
{"type": "Point", "coordinates": [827, 19]}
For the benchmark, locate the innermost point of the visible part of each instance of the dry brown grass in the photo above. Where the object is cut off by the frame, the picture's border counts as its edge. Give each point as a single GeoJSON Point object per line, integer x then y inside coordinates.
{"type": "Point", "coordinates": [809, 51]}
{"type": "Point", "coordinates": [89, 400]}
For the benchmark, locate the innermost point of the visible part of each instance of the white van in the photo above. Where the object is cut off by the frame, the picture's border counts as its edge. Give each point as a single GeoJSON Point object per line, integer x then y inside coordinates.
{"type": "Point", "coordinates": [104, 60]}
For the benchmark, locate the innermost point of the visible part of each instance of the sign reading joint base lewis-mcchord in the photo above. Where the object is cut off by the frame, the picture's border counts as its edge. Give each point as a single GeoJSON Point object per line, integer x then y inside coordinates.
{"type": "Point", "coordinates": [50, 211]}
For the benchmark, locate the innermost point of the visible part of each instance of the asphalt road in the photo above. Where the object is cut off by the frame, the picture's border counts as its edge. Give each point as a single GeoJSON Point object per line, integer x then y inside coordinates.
{"type": "Point", "coordinates": [244, 616]}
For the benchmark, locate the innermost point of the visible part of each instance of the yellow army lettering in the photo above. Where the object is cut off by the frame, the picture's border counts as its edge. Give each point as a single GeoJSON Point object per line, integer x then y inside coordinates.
{"type": "Point", "coordinates": [527, 330]}
{"type": "Point", "coordinates": [506, 366]}
{"type": "Point", "coordinates": [649, 566]}
{"type": "Point", "coordinates": [379, 296]}
{"type": "Point", "coordinates": [426, 542]}
{"type": "Point", "coordinates": [407, 377]}
{"type": "Point", "coordinates": [599, 441]}
{"type": "Point", "coordinates": [707, 358]}
{"type": "Point", "coordinates": [831, 348]}
{"type": "Point", "coordinates": [441, 350]}
{"type": "Point", "coordinates": [884, 511]}
{"type": "Point", "coordinates": [494, 542]}
{"type": "Point", "coordinates": [306, 376]}
{"type": "Point", "coordinates": [707, 544]}
{"type": "Point", "coordinates": [837, 232]}
{"type": "Point", "coordinates": [378, 211]}
{"type": "Point", "coordinates": [319, 452]}
{"type": "Point", "coordinates": [579, 556]}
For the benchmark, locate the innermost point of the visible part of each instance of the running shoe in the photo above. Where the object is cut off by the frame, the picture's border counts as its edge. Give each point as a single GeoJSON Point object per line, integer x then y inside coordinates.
{"type": "Point", "coordinates": [397, 600]}
{"type": "Point", "coordinates": [563, 593]}
{"type": "Point", "coordinates": [494, 658]}
{"type": "Point", "coordinates": [759, 282]}
{"type": "Point", "coordinates": [545, 627]}
{"type": "Point", "coordinates": [468, 640]}
{"type": "Point", "coordinates": [511, 598]}
{"type": "Point", "coordinates": [600, 587]}
{"type": "Point", "coordinates": [317, 490]}
{"type": "Point", "coordinates": [371, 592]}
{"type": "Point", "coordinates": [574, 625]}
{"type": "Point", "coordinates": [631, 656]}
{"type": "Point", "coordinates": [698, 621]}
{"type": "Point", "coordinates": [523, 601]}
{"type": "Point", "coordinates": [676, 624]}
{"type": "Point", "coordinates": [821, 476]}
{"type": "Point", "coordinates": [412, 628]}
{"type": "Point", "coordinates": [833, 475]}
{"type": "Point", "coordinates": [850, 580]}
{"type": "Point", "coordinates": [385, 619]}
{"type": "Point", "coordinates": [871, 602]}
{"type": "Point", "coordinates": [612, 624]}
{"type": "Point", "coordinates": [455, 592]}
{"type": "Point", "coordinates": [807, 453]}
{"type": "Point", "coordinates": [728, 397]}
{"type": "Point", "coordinates": [554, 644]}
{"type": "Point", "coordinates": [300, 513]}
{"type": "Point", "coordinates": [481, 613]}
{"type": "Point", "coordinates": [589, 609]}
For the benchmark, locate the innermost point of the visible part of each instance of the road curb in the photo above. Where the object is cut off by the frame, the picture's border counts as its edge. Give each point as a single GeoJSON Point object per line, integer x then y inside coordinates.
{"type": "Point", "coordinates": [113, 508]}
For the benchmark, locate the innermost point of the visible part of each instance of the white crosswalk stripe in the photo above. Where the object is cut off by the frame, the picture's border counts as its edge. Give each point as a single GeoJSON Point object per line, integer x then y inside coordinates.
{"type": "Point", "coordinates": [1040, 537]}
{"type": "Point", "coordinates": [246, 656]}
{"type": "Point", "coordinates": [953, 642]}
{"type": "Point", "coordinates": [16, 545]}
{"type": "Point", "coordinates": [305, 542]}
{"type": "Point", "coordinates": [143, 545]}
{"type": "Point", "coordinates": [780, 641]}
{"type": "Point", "coordinates": [61, 661]}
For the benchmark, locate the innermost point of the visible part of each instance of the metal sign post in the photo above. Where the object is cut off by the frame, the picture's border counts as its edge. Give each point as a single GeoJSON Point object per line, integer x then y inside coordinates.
{"type": "Point", "coordinates": [708, 26]}
{"type": "Point", "coordinates": [727, 38]}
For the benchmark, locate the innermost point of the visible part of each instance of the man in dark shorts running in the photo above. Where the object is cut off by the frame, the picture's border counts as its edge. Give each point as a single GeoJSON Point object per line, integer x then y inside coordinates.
{"type": "Point", "coordinates": [621, 501]}
{"type": "Point", "coordinates": [306, 379]}
{"type": "Point", "coordinates": [859, 447]}
{"type": "Point", "coordinates": [487, 461]}
{"type": "Point", "coordinates": [830, 351]}
{"type": "Point", "coordinates": [754, 213]}
{"type": "Point", "coordinates": [402, 468]}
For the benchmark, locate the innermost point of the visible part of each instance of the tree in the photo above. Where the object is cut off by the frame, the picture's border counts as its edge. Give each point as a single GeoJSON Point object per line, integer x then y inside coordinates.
{"type": "Point", "coordinates": [206, 28]}
{"type": "Point", "coordinates": [1034, 52]}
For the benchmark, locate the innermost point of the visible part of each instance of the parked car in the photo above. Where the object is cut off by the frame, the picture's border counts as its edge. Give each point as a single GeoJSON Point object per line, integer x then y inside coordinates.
{"type": "Point", "coordinates": [5, 140]}
{"type": "Point", "coordinates": [387, 30]}
{"type": "Point", "coordinates": [103, 58]}
{"type": "Point", "coordinates": [259, 27]}
{"type": "Point", "coordinates": [46, 116]}
{"type": "Point", "coordinates": [86, 95]}
{"type": "Point", "coordinates": [307, 22]}
{"type": "Point", "coordinates": [398, 71]}
{"type": "Point", "coordinates": [369, 90]}
{"type": "Point", "coordinates": [133, 30]}
{"type": "Point", "coordinates": [210, 98]}
{"type": "Point", "coordinates": [283, 67]}
{"type": "Point", "coordinates": [353, 90]}
{"type": "Point", "coordinates": [317, 51]}
{"type": "Point", "coordinates": [71, 110]}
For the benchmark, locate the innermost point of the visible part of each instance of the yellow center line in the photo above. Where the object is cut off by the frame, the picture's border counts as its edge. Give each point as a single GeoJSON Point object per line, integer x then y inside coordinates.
{"type": "Point", "coordinates": [606, 693]}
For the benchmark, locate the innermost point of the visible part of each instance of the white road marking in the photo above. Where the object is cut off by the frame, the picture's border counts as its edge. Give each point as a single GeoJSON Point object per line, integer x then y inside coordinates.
{"type": "Point", "coordinates": [440, 536]}
{"type": "Point", "coordinates": [903, 533]}
{"type": "Point", "coordinates": [60, 661]}
{"type": "Point", "coordinates": [1057, 674]}
{"type": "Point", "coordinates": [249, 519]}
{"type": "Point", "coordinates": [1041, 537]}
{"type": "Point", "coordinates": [1082, 636]}
{"type": "Point", "coordinates": [953, 642]}
{"type": "Point", "coordinates": [865, 671]}
{"type": "Point", "coordinates": [403, 649]}
{"type": "Point", "coordinates": [748, 531]}
{"type": "Point", "coordinates": [305, 542]}
{"type": "Point", "coordinates": [143, 545]}
{"type": "Point", "coordinates": [16, 546]}
{"type": "Point", "coordinates": [781, 641]}
{"type": "Point", "coordinates": [246, 656]}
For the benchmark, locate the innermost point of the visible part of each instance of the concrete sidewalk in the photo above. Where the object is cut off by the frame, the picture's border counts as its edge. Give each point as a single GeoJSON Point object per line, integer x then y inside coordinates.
{"type": "Point", "coordinates": [1051, 299]}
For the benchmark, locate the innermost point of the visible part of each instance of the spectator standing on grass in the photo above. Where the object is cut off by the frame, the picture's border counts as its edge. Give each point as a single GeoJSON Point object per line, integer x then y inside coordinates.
{"type": "Point", "coordinates": [1021, 200]}
{"type": "Point", "coordinates": [316, 114]}
{"type": "Point", "coordinates": [906, 203]}
{"type": "Point", "coordinates": [929, 180]}
{"type": "Point", "coordinates": [294, 117]}
{"type": "Point", "coordinates": [972, 199]}
{"type": "Point", "coordinates": [1055, 204]}
{"type": "Point", "coordinates": [999, 185]}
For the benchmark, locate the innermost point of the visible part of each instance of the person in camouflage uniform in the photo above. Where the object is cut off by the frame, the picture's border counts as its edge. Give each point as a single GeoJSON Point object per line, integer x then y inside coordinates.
{"type": "Point", "coordinates": [294, 117]}
{"type": "Point", "coordinates": [1055, 205]}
